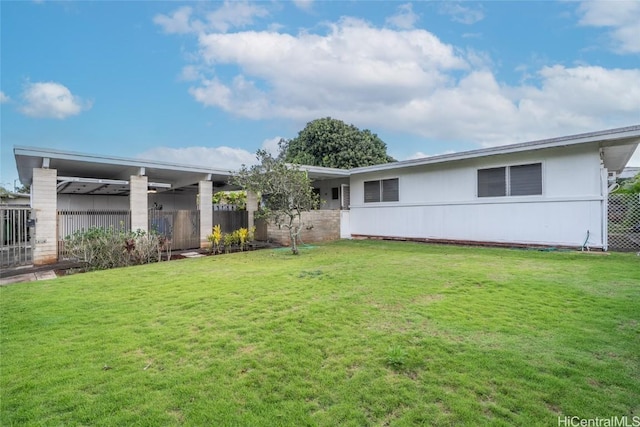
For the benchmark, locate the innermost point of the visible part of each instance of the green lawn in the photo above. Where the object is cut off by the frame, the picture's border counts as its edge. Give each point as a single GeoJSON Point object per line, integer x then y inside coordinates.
{"type": "Point", "coordinates": [349, 333]}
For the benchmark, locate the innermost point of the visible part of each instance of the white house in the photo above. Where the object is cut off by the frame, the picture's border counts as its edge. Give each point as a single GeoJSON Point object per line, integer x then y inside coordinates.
{"type": "Point", "coordinates": [551, 192]}
{"type": "Point", "coordinates": [545, 193]}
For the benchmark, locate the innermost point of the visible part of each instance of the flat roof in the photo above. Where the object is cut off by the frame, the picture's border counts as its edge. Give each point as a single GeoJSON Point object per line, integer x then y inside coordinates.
{"type": "Point", "coordinates": [105, 174]}
{"type": "Point", "coordinates": [618, 145]}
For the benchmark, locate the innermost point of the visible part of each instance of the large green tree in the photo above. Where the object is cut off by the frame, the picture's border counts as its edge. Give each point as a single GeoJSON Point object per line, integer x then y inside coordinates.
{"type": "Point", "coordinates": [286, 192]}
{"type": "Point", "coordinates": [333, 143]}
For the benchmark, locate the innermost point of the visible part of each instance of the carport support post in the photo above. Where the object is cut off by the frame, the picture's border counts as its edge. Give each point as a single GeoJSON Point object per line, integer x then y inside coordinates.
{"type": "Point", "coordinates": [205, 202]}
{"type": "Point", "coordinates": [252, 207]}
{"type": "Point", "coordinates": [44, 202]}
{"type": "Point", "coordinates": [139, 203]}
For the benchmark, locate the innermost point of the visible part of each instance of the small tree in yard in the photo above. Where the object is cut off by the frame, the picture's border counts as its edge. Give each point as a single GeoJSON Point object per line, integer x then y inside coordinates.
{"type": "Point", "coordinates": [286, 191]}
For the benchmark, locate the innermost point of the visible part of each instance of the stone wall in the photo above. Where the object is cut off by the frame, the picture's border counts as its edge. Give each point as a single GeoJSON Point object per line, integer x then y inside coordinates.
{"type": "Point", "coordinates": [319, 226]}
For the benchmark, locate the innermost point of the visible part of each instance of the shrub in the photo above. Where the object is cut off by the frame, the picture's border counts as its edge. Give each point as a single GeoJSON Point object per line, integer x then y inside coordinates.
{"type": "Point", "coordinates": [215, 238]}
{"type": "Point", "coordinates": [101, 248]}
{"type": "Point", "coordinates": [243, 236]}
{"type": "Point", "coordinates": [230, 239]}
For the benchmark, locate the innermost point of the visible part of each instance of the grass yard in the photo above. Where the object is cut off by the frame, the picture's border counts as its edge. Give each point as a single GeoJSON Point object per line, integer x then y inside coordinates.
{"type": "Point", "coordinates": [350, 333]}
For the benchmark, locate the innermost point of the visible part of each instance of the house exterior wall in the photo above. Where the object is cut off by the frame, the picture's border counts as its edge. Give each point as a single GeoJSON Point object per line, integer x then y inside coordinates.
{"type": "Point", "coordinates": [440, 202]}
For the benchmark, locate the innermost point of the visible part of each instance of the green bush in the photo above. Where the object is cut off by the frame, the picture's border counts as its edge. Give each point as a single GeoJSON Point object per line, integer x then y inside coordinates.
{"type": "Point", "coordinates": [100, 248]}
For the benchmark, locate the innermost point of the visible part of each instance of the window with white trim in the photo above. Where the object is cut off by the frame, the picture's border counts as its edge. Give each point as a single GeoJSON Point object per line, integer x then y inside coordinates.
{"type": "Point", "coordinates": [520, 180]}
{"type": "Point", "coordinates": [384, 190]}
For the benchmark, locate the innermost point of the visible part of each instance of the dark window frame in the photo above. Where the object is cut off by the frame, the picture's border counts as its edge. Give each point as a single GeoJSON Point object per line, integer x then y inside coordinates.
{"type": "Point", "coordinates": [382, 190]}
{"type": "Point", "coordinates": [510, 181]}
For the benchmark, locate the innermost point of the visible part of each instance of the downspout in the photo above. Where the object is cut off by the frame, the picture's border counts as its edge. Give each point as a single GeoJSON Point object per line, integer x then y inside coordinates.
{"type": "Point", "coordinates": [604, 203]}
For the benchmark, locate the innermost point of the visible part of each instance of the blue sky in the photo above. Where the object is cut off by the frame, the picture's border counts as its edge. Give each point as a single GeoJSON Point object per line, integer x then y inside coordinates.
{"type": "Point", "coordinates": [211, 82]}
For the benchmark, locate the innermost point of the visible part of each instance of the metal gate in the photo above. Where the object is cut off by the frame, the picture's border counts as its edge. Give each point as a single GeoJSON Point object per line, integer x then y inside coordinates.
{"type": "Point", "coordinates": [624, 222]}
{"type": "Point", "coordinates": [181, 227]}
{"type": "Point", "coordinates": [15, 236]}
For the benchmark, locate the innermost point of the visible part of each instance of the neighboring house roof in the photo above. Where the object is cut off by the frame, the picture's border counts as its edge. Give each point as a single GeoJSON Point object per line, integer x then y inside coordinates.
{"type": "Point", "coordinates": [629, 172]}
{"type": "Point", "coordinates": [618, 146]}
{"type": "Point", "coordinates": [12, 198]}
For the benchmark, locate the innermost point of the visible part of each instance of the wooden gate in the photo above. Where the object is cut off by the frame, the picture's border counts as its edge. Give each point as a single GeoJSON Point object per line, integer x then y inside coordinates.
{"type": "Point", "coordinates": [181, 227]}
{"type": "Point", "coordinates": [230, 218]}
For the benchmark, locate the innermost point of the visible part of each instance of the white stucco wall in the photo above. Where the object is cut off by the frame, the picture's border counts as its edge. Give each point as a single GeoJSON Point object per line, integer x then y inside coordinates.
{"type": "Point", "coordinates": [440, 202]}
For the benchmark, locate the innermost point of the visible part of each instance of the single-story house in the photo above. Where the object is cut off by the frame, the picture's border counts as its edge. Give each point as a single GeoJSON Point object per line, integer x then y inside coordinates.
{"type": "Point", "coordinates": [552, 192]}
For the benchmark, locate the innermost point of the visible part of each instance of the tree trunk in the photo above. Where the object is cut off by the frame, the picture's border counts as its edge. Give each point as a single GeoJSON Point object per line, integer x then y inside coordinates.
{"type": "Point", "coordinates": [293, 236]}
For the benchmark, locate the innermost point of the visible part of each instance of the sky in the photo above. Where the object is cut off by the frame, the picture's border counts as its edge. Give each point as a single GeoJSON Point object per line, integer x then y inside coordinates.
{"type": "Point", "coordinates": [209, 83]}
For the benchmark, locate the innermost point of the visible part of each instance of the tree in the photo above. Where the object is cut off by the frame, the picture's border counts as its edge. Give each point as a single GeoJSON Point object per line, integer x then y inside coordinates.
{"type": "Point", "coordinates": [285, 189]}
{"type": "Point", "coordinates": [332, 143]}
{"type": "Point", "coordinates": [629, 185]}
{"type": "Point", "coordinates": [237, 198]}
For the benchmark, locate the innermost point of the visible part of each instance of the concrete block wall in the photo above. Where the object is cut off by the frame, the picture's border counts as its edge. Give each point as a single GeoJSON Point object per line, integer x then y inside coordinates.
{"type": "Point", "coordinates": [205, 189]}
{"type": "Point", "coordinates": [45, 206]}
{"type": "Point", "coordinates": [319, 226]}
{"type": "Point", "coordinates": [139, 203]}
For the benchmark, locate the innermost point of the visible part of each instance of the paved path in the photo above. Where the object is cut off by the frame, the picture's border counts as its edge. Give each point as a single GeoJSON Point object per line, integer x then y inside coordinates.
{"type": "Point", "coordinates": [28, 277]}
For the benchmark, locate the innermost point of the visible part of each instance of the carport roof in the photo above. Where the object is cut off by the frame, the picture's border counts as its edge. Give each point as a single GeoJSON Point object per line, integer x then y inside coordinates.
{"type": "Point", "coordinates": [82, 173]}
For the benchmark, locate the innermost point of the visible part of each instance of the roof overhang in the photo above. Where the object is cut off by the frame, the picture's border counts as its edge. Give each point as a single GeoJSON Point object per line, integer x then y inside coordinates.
{"type": "Point", "coordinates": [92, 174]}
{"type": "Point", "coordinates": [617, 145]}
{"type": "Point", "coordinates": [80, 173]}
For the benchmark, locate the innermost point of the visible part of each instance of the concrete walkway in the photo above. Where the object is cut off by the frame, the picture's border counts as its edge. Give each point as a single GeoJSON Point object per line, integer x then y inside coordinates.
{"type": "Point", "coordinates": [28, 277]}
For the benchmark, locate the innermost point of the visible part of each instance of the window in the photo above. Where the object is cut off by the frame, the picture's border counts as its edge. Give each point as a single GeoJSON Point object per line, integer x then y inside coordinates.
{"type": "Point", "coordinates": [385, 190]}
{"type": "Point", "coordinates": [335, 193]}
{"type": "Point", "coordinates": [526, 180]}
{"type": "Point", "coordinates": [492, 182]}
{"type": "Point", "coordinates": [371, 191]}
{"type": "Point", "coordinates": [521, 180]}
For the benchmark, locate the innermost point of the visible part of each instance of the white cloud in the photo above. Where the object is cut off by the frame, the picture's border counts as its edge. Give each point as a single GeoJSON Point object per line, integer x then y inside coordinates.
{"type": "Point", "coordinates": [4, 98]}
{"type": "Point", "coordinates": [190, 73]}
{"type": "Point", "coordinates": [271, 145]}
{"type": "Point", "coordinates": [303, 4]}
{"type": "Point", "coordinates": [622, 17]}
{"type": "Point", "coordinates": [461, 14]}
{"type": "Point", "coordinates": [404, 80]}
{"type": "Point", "coordinates": [51, 100]}
{"type": "Point", "coordinates": [405, 18]}
{"type": "Point", "coordinates": [225, 158]}
{"type": "Point", "coordinates": [179, 22]}
{"type": "Point", "coordinates": [354, 65]}
{"type": "Point", "coordinates": [232, 14]}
